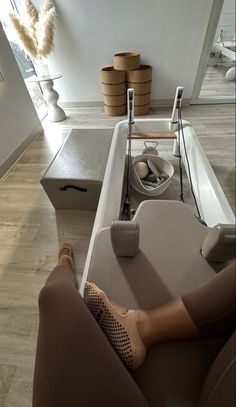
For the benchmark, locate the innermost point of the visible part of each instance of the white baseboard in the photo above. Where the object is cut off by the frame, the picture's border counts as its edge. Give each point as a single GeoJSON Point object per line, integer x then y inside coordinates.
{"type": "Point", "coordinates": [154, 103]}
{"type": "Point", "coordinates": [6, 166]}
{"type": "Point", "coordinates": [77, 105]}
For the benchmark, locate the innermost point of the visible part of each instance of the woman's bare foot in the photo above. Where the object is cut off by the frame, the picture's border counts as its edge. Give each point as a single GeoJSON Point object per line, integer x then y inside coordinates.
{"type": "Point", "coordinates": [118, 324]}
{"type": "Point", "coordinates": [65, 256]}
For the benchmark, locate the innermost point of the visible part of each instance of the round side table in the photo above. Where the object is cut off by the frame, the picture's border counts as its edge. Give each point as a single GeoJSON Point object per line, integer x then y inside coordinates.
{"type": "Point", "coordinates": [55, 112]}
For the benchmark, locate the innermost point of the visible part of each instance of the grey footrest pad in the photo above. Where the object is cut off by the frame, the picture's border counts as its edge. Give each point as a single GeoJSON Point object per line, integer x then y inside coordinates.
{"type": "Point", "coordinates": [74, 178]}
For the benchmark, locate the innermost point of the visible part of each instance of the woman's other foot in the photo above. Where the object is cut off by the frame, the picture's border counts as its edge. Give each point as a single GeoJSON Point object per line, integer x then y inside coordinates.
{"type": "Point", "coordinates": [118, 324]}
{"type": "Point", "coordinates": [65, 256]}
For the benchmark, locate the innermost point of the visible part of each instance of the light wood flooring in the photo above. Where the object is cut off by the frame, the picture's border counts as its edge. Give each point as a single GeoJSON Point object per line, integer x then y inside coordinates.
{"type": "Point", "coordinates": [31, 231]}
{"type": "Point", "coordinates": [214, 83]}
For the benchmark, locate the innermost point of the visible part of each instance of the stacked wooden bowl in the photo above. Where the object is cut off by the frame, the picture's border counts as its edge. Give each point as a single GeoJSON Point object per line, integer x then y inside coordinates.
{"type": "Point", "coordinates": [126, 61]}
{"type": "Point", "coordinates": [126, 73]}
{"type": "Point", "coordinates": [114, 91]}
{"type": "Point", "coordinates": [141, 81]}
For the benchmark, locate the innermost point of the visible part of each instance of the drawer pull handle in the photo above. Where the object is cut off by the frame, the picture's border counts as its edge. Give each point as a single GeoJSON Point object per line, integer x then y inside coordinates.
{"type": "Point", "coordinates": [73, 187]}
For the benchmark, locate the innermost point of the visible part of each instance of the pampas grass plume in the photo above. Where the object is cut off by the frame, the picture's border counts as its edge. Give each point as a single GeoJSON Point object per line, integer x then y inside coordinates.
{"type": "Point", "coordinates": [46, 33]}
{"type": "Point", "coordinates": [24, 35]}
{"type": "Point", "coordinates": [38, 35]}
{"type": "Point", "coordinates": [46, 5]}
{"type": "Point", "coordinates": [31, 14]}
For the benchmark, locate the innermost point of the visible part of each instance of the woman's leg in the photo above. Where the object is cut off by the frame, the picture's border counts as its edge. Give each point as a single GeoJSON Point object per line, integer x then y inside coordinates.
{"type": "Point", "coordinates": [75, 364]}
{"type": "Point", "coordinates": [207, 310]}
{"type": "Point", "coordinates": [166, 323]}
{"type": "Point", "coordinates": [212, 306]}
{"type": "Point", "coordinates": [65, 268]}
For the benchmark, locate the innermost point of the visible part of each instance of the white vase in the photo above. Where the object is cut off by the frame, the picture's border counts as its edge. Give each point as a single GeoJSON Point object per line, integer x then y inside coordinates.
{"type": "Point", "coordinates": [41, 68]}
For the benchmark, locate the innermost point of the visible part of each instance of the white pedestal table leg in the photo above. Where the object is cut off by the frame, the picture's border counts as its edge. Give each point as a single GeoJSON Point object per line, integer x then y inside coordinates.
{"type": "Point", "coordinates": [55, 112]}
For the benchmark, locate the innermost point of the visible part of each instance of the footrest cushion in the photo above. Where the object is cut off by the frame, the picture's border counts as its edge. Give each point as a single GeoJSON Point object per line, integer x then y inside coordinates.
{"type": "Point", "coordinates": [74, 178]}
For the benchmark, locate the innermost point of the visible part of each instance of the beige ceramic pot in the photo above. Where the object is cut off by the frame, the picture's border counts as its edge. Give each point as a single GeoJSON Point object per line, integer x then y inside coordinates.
{"type": "Point", "coordinates": [141, 88]}
{"type": "Point", "coordinates": [109, 75]}
{"type": "Point", "coordinates": [143, 74]}
{"type": "Point", "coordinates": [115, 110]}
{"type": "Point", "coordinates": [115, 100]}
{"type": "Point", "coordinates": [125, 61]}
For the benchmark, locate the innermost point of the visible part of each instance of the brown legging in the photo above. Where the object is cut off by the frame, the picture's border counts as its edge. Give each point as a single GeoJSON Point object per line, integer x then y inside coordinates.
{"type": "Point", "coordinates": [212, 308]}
{"type": "Point", "coordinates": [212, 305]}
{"type": "Point", "coordinates": [76, 365]}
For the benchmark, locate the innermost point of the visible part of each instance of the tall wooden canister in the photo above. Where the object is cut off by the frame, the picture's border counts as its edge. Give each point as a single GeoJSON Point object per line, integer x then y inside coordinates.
{"type": "Point", "coordinates": [141, 81]}
{"type": "Point", "coordinates": [114, 91]}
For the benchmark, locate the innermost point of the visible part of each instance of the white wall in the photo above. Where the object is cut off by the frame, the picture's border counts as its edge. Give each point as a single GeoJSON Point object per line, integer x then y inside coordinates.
{"type": "Point", "coordinates": [169, 34]}
{"type": "Point", "coordinates": [18, 118]}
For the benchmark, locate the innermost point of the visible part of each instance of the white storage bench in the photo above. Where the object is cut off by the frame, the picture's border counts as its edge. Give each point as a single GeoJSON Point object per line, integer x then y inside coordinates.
{"type": "Point", "coordinates": [74, 178]}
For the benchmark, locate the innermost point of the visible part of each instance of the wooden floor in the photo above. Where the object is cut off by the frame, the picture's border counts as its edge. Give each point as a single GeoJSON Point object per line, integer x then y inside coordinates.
{"type": "Point", "coordinates": [31, 231]}
{"type": "Point", "coordinates": [214, 83]}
